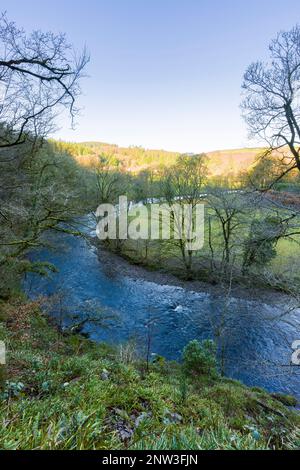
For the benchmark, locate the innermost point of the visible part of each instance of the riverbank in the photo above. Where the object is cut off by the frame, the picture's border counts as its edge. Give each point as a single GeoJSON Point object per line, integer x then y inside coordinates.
{"type": "Point", "coordinates": [65, 392]}
{"type": "Point", "coordinates": [123, 264]}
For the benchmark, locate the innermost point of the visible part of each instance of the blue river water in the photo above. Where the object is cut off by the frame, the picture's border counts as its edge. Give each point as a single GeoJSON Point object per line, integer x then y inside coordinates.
{"type": "Point", "coordinates": [256, 344]}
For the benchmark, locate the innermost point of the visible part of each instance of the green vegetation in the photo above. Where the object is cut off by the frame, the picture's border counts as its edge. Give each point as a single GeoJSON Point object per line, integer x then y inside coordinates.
{"type": "Point", "coordinates": [61, 391]}
{"type": "Point", "coordinates": [46, 192]}
{"type": "Point", "coordinates": [250, 237]}
{"type": "Point", "coordinates": [65, 392]}
{"type": "Point", "coordinates": [200, 359]}
{"type": "Point", "coordinates": [224, 166]}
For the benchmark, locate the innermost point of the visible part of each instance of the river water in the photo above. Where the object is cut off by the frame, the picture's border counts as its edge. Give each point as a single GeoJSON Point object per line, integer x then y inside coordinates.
{"type": "Point", "coordinates": [256, 344]}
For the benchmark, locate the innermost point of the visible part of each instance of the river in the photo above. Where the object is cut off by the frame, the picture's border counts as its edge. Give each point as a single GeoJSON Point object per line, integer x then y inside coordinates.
{"type": "Point", "coordinates": [256, 344]}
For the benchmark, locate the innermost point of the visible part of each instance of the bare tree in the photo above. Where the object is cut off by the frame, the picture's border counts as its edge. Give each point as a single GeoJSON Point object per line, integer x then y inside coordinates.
{"type": "Point", "coordinates": [39, 76]}
{"type": "Point", "coordinates": [183, 184]}
{"type": "Point", "coordinates": [271, 105]}
{"type": "Point", "coordinates": [107, 181]}
{"type": "Point", "coordinates": [229, 210]}
{"type": "Point", "coordinates": [39, 191]}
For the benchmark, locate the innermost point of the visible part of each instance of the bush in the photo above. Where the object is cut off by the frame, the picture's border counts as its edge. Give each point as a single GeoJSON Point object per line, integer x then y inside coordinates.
{"type": "Point", "coordinates": [200, 358]}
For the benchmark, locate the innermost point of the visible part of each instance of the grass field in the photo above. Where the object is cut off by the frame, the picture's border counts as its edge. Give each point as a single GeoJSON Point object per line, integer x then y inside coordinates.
{"type": "Point", "coordinates": [167, 253]}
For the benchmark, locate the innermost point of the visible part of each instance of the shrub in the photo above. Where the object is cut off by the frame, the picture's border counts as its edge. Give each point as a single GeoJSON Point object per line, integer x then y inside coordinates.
{"type": "Point", "coordinates": [200, 358]}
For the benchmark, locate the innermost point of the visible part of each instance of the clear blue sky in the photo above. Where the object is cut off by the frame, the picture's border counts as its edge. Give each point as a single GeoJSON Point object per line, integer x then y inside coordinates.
{"type": "Point", "coordinates": [163, 73]}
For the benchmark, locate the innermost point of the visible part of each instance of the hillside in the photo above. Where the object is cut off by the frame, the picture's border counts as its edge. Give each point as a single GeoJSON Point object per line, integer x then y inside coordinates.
{"type": "Point", "coordinates": [67, 393]}
{"type": "Point", "coordinates": [137, 159]}
{"type": "Point", "coordinates": [224, 162]}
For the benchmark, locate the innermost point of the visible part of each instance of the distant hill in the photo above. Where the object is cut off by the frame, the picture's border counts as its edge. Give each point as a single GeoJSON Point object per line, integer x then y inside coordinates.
{"type": "Point", "coordinates": [136, 159]}
{"type": "Point", "coordinates": [222, 162]}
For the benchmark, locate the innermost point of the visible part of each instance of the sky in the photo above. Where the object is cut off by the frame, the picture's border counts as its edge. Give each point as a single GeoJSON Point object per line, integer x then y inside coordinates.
{"type": "Point", "coordinates": [164, 74]}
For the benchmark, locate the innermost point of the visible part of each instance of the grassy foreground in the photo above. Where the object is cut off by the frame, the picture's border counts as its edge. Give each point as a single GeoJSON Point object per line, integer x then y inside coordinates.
{"type": "Point", "coordinates": [65, 392]}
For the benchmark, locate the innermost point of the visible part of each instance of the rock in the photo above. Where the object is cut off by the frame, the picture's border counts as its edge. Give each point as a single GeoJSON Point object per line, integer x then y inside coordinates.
{"type": "Point", "coordinates": [176, 418]}
{"type": "Point", "coordinates": [142, 417]}
{"type": "Point", "coordinates": [105, 375]}
{"type": "Point", "coordinates": [172, 418]}
{"type": "Point", "coordinates": [125, 433]}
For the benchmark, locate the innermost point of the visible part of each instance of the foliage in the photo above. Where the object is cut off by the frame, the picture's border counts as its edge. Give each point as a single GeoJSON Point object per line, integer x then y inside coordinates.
{"type": "Point", "coordinates": [61, 391]}
{"type": "Point", "coordinates": [46, 191]}
{"type": "Point", "coordinates": [57, 397]}
{"type": "Point", "coordinates": [261, 244]}
{"type": "Point", "coordinates": [200, 359]}
{"type": "Point", "coordinates": [39, 188]}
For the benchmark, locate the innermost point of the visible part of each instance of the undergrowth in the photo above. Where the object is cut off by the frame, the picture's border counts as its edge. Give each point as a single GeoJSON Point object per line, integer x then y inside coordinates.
{"type": "Point", "coordinates": [66, 392]}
